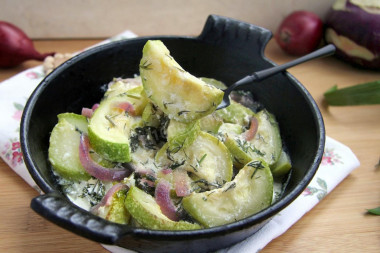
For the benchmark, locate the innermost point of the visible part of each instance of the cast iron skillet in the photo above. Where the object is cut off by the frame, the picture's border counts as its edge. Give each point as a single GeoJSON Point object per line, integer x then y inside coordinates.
{"type": "Point", "coordinates": [227, 50]}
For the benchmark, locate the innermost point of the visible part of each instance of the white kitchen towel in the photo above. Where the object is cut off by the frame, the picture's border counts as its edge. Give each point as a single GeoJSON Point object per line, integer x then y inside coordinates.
{"type": "Point", "coordinates": [338, 160]}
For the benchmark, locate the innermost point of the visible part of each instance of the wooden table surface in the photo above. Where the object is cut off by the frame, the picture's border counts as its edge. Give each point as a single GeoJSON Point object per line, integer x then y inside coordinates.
{"type": "Point", "coordinates": [339, 223]}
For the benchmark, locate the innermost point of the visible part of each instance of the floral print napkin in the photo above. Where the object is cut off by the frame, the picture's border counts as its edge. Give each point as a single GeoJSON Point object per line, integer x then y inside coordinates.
{"type": "Point", "coordinates": [338, 160]}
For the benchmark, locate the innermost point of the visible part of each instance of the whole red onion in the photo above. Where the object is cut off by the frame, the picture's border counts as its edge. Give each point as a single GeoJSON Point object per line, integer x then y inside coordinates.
{"type": "Point", "coordinates": [300, 33]}
{"type": "Point", "coordinates": [16, 47]}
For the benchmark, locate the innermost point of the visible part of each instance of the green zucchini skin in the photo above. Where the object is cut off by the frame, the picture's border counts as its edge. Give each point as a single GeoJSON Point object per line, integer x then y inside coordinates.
{"type": "Point", "coordinates": [250, 192]}
{"type": "Point", "coordinates": [160, 73]}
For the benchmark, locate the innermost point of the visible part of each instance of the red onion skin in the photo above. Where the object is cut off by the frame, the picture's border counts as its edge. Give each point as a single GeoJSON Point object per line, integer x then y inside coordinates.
{"type": "Point", "coordinates": [360, 26]}
{"type": "Point", "coordinates": [300, 33]}
{"type": "Point", "coordinates": [95, 169]}
{"type": "Point", "coordinates": [16, 47]}
{"type": "Point", "coordinates": [162, 195]}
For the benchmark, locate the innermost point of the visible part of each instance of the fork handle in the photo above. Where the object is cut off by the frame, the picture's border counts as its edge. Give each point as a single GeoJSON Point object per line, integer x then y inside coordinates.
{"type": "Point", "coordinates": [322, 52]}
{"type": "Point", "coordinates": [262, 74]}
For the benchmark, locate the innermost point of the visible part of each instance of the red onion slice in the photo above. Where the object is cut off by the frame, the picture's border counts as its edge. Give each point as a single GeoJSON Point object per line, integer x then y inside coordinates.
{"type": "Point", "coordinates": [181, 185]}
{"type": "Point", "coordinates": [162, 194]}
{"type": "Point", "coordinates": [107, 199]}
{"type": "Point", "coordinates": [94, 107]}
{"type": "Point", "coordinates": [87, 112]}
{"type": "Point", "coordinates": [251, 132]}
{"type": "Point", "coordinates": [95, 169]}
{"type": "Point", "coordinates": [166, 171]}
{"type": "Point", "coordinates": [128, 107]}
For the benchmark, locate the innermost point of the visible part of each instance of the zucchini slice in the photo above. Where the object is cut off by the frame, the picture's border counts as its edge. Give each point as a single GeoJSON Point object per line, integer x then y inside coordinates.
{"type": "Point", "coordinates": [266, 144]}
{"type": "Point", "coordinates": [182, 135]}
{"type": "Point", "coordinates": [177, 93]}
{"type": "Point", "coordinates": [211, 123]}
{"type": "Point", "coordinates": [64, 146]}
{"type": "Point", "coordinates": [282, 166]}
{"type": "Point", "coordinates": [235, 113]}
{"type": "Point", "coordinates": [130, 86]}
{"type": "Point", "coordinates": [207, 158]}
{"type": "Point", "coordinates": [144, 209]}
{"type": "Point", "coordinates": [250, 192]}
{"type": "Point", "coordinates": [110, 126]}
{"type": "Point", "coordinates": [117, 212]}
{"type": "Point", "coordinates": [151, 115]}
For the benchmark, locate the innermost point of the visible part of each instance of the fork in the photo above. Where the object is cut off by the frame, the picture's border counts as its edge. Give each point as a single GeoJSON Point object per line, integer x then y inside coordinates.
{"type": "Point", "coordinates": [262, 74]}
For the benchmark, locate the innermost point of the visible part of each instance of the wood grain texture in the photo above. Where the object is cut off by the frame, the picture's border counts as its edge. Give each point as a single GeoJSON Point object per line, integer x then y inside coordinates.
{"type": "Point", "coordinates": [339, 223]}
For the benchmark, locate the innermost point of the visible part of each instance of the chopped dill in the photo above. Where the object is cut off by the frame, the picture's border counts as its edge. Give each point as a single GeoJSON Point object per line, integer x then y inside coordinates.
{"type": "Point", "coordinates": [182, 112]}
{"type": "Point", "coordinates": [205, 183]}
{"type": "Point", "coordinates": [165, 104]}
{"type": "Point", "coordinates": [169, 56]}
{"type": "Point", "coordinates": [93, 192]}
{"type": "Point", "coordinates": [146, 65]}
{"type": "Point", "coordinates": [198, 163]}
{"type": "Point", "coordinates": [257, 165]}
{"type": "Point", "coordinates": [133, 96]}
{"type": "Point", "coordinates": [176, 165]}
{"type": "Point", "coordinates": [231, 186]}
{"type": "Point", "coordinates": [201, 160]}
{"type": "Point", "coordinates": [180, 69]}
{"type": "Point", "coordinates": [108, 117]}
{"type": "Point", "coordinates": [78, 130]}
{"type": "Point", "coordinates": [246, 147]}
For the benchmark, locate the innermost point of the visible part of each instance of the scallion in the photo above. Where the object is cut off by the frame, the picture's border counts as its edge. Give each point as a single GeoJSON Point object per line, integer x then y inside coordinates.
{"type": "Point", "coordinates": [360, 94]}
{"type": "Point", "coordinates": [375, 211]}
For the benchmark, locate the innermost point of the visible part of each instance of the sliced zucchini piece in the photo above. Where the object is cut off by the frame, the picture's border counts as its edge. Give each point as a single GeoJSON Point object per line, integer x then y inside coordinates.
{"type": "Point", "coordinates": [282, 166]}
{"type": "Point", "coordinates": [211, 123]}
{"type": "Point", "coordinates": [109, 129]}
{"type": "Point", "coordinates": [250, 192]}
{"type": "Point", "coordinates": [79, 121]}
{"type": "Point", "coordinates": [177, 93]}
{"type": "Point", "coordinates": [207, 158]}
{"type": "Point", "coordinates": [181, 135]}
{"type": "Point", "coordinates": [147, 212]}
{"type": "Point", "coordinates": [266, 144]}
{"type": "Point", "coordinates": [64, 146]}
{"type": "Point", "coordinates": [118, 212]}
{"type": "Point", "coordinates": [130, 86]}
{"type": "Point", "coordinates": [218, 84]}
{"type": "Point", "coordinates": [236, 113]}
{"type": "Point", "coordinates": [151, 115]}
{"type": "Point", "coordinates": [230, 129]}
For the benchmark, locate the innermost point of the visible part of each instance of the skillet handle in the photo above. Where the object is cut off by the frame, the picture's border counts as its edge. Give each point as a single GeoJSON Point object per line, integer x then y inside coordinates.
{"type": "Point", "coordinates": [228, 32]}
{"type": "Point", "coordinates": [57, 209]}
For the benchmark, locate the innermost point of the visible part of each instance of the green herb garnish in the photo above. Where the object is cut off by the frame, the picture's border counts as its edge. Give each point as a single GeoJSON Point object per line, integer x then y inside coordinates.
{"type": "Point", "coordinates": [201, 160]}
{"type": "Point", "coordinates": [182, 112]}
{"type": "Point", "coordinates": [108, 117]}
{"type": "Point", "coordinates": [375, 211]}
{"type": "Point", "coordinates": [360, 94]}
{"type": "Point", "coordinates": [146, 65]}
{"type": "Point", "coordinates": [257, 165]}
{"type": "Point", "coordinates": [231, 186]}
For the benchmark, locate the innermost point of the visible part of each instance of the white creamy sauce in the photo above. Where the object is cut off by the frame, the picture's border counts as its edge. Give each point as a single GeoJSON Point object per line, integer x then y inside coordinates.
{"type": "Point", "coordinates": [81, 192]}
